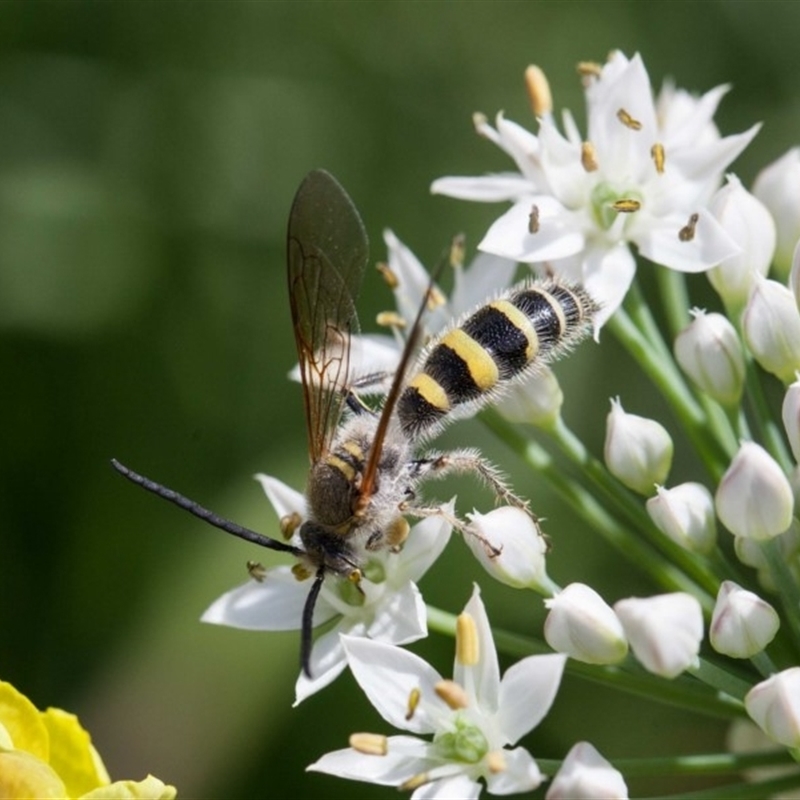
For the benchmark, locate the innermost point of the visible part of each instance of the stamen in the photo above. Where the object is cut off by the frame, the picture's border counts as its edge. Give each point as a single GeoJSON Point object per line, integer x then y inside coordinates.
{"type": "Point", "coordinates": [479, 122]}
{"type": "Point", "coordinates": [589, 157]}
{"type": "Point", "coordinates": [589, 69]}
{"type": "Point", "coordinates": [457, 249]}
{"type": "Point", "coordinates": [628, 121]}
{"type": "Point", "coordinates": [390, 319]}
{"type": "Point", "coordinates": [533, 219]}
{"type": "Point", "coordinates": [626, 205]}
{"type": "Point", "coordinates": [496, 761]}
{"type": "Point", "coordinates": [686, 233]}
{"type": "Point", "coordinates": [392, 281]}
{"type": "Point", "coordinates": [467, 644]}
{"type": "Point", "coordinates": [301, 572]}
{"type": "Point", "coordinates": [435, 298]}
{"type": "Point", "coordinates": [659, 157]}
{"type": "Point", "coordinates": [452, 693]}
{"type": "Point", "coordinates": [538, 91]}
{"type": "Point", "coordinates": [415, 782]}
{"type": "Point", "coordinates": [257, 571]}
{"type": "Point", "coordinates": [289, 524]}
{"type": "Point", "coordinates": [413, 701]}
{"type": "Point", "coordinates": [370, 744]}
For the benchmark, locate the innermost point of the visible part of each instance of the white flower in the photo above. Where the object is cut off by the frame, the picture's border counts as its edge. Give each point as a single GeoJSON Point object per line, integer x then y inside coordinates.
{"type": "Point", "coordinates": [537, 401]}
{"type": "Point", "coordinates": [640, 178]}
{"type": "Point", "coordinates": [586, 775]}
{"type": "Point", "coordinates": [584, 627]}
{"type": "Point", "coordinates": [754, 498]}
{"type": "Point", "coordinates": [790, 413]}
{"type": "Point", "coordinates": [742, 624]}
{"type": "Point", "coordinates": [637, 451]}
{"type": "Point", "coordinates": [710, 353]}
{"type": "Point", "coordinates": [664, 631]}
{"type": "Point", "coordinates": [475, 719]}
{"type": "Point", "coordinates": [390, 609]}
{"type": "Point", "coordinates": [774, 705]}
{"type": "Point", "coordinates": [685, 513]}
{"type": "Point", "coordinates": [521, 560]}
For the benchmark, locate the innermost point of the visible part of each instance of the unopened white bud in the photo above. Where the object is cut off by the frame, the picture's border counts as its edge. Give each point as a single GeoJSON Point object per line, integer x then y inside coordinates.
{"type": "Point", "coordinates": [709, 352]}
{"type": "Point", "coordinates": [790, 412]}
{"type": "Point", "coordinates": [638, 451]}
{"type": "Point", "coordinates": [742, 624]}
{"type": "Point", "coordinates": [586, 775]}
{"type": "Point", "coordinates": [777, 186]}
{"type": "Point", "coordinates": [510, 547]}
{"type": "Point", "coordinates": [774, 705]}
{"type": "Point", "coordinates": [748, 222]}
{"type": "Point", "coordinates": [751, 553]}
{"type": "Point", "coordinates": [685, 513]}
{"type": "Point", "coordinates": [537, 401]}
{"type": "Point", "coordinates": [754, 498]}
{"type": "Point", "coordinates": [584, 627]}
{"type": "Point", "coordinates": [794, 275]}
{"type": "Point", "coordinates": [664, 631]}
{"type": "Point", "coordinates": [771, 327]}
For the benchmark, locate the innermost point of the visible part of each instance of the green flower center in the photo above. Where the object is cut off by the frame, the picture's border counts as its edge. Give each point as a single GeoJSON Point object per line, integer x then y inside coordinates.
{"type": "Point", "coordinates": [465, 743]}
{"type": "Point", "coordinates": [373, 571]}
{"type": "Point", "coordinates": [607, 200]}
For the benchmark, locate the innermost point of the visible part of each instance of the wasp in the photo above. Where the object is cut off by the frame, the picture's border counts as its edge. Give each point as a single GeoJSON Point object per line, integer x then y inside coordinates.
{"type": "Point", "coordinates": [365, 468]}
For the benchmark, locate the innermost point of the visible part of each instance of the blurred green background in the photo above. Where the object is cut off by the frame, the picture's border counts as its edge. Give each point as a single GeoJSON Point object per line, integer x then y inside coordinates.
{"type": "Point", "coordinates": [149, 153]}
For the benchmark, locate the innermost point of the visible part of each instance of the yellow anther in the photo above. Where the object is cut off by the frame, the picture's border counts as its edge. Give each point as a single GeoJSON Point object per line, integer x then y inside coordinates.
{"type": "Point", "coordinates": [626, 206]}
{"type": "Point", "coordinates": [538, 91]}
{"type": "Point", "coordinates": [452, 693]}
{"type": "Point", "coordinates": [467, 645]}
{"type": "Point", "coordinates": [659, 157]}
{"type": "Point", "coordinates": [413, 701]}
{"type": "Point", "coordinates": [390, 319]}
{"type": "Point", "coordinates": [479, 122]}
{"type": "Point", "coordinates": [686, 233]}
{"type": "Point", "coordinates": [300, 572]}
{"type": "Point", "coordinates": [370, 744]}
{"type": "Point", "coordinates": [589, 69]}
{"type": "Point", "coordinates": [389, 276]}
{"type": "Point", "coordinates": [496, 761]}
{"type": "Point", "coordinates": [628, 121]}
{"type": "Point", "coordinates": [435, 299]}
{"type": "Point", "coordinates": [355, 576]}
{"type": "Point", "coordinates": [257, 570]}
{"type": "Point", "coordinates": [588, 157]}
{"type": "Point", "coordinates": [457, 249]}
{"type": "Point", "coordinates": [289, 524]}
{"type": "Point", "coordinates": [415, 782]}
{"type": "Point", "coordinates": [533, 219]}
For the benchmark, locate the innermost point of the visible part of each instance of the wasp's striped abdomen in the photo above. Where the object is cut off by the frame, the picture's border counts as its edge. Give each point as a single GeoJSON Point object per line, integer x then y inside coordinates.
{"type": "Point", "coordinates": [529, 325]}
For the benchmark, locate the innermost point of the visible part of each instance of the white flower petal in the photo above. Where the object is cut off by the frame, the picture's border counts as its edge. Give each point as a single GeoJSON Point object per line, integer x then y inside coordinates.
{"type": "Point", "coordinates": [401, 617]}
{"type": "Point", "coordinates": [520, 775]}
{"type": "Point", "coordinates": [484, 278]}
{"type": "Point", "coordinates": [481, 680]}
{"type": "Point", "coordinates": [326, 664]}
{"type": "Point", "coordinates": [426, 541]}
{"type": "Point", "coordinates": [586, 775]}
{"type": "Point", "coordinates": [558, 236]}
{"type": "Point", "coordinates": [274, 604]}
{"type": "Point", "coordinates": [284, 499]}
{"type": "Point", "coordinates": [704, 162]}
{"type": "Point", "coordinates": [608, 273]}
{"type": "Point", "coordinates": [457, 787]}
{"type": "Point", "coordinates": [527, 691]}
{"type": "Point", "coordinates": [388, 675]}
{"type": "Point", "coordinates": [484, 189]}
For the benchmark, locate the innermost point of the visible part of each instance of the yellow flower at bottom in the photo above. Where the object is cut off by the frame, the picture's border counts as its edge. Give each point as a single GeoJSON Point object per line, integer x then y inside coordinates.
{"type": "Point", "coordinates": [49, 754]}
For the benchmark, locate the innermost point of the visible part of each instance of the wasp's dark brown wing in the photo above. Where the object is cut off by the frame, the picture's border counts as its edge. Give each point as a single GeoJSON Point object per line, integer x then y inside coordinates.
{"type": "Point", "coordinates": [327, 252]}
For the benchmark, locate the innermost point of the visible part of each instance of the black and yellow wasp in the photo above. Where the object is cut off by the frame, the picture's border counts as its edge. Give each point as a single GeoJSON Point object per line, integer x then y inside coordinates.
{"type": "Point", "coordinates": [365, 465]}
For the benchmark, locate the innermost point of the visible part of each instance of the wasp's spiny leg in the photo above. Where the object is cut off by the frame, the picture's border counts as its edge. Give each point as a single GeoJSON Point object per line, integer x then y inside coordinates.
{"type": "Point", "coordinates": [464, 528]}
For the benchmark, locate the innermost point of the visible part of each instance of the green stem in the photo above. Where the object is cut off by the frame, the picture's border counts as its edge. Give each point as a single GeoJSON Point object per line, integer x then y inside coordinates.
{"type": "Point", "coordinates": [770, 430]}
{"type": "Point", "coordinates": [674, 299]}
{"type": "Point", "coordinates": [749, 790]}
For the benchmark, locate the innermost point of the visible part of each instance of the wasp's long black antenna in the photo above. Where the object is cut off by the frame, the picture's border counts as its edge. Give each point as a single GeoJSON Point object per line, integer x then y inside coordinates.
{"type": "Point", "coordinates": [204, 513]}
{"type": "Point", "coordinates": [308, 622]}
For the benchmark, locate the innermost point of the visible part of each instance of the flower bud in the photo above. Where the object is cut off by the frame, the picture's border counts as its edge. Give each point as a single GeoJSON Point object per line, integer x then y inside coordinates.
{"type": "Point", "coordinates": [586, 775]}
{"type": "Point", "coordinates": [510, 547]}
{"type": "Point", "coordinates": [664, 631]}
{"type": "Point", "coordinates": [709, 352]}
{"type": "Point", "coordinates": [537, 401]}
{"type": "Point", "coordinates": [685, 513]}
{"type": "Point", "coordinates": [777, 186]}
{"type": "Point", "coordinates": [774, 705]}
{"type": "Point", "coordinates": [754, 498]}
{"type": "Point", "coordinates": [751, 553]}
{"type": "Point", "coordinates": [748, 222]}
{"type": "Point", "coordinates": [791, 417]}
{"type": "Point", "coordinates": [584, 627]}
{"type": "Point", "coordinates": [742, 623]}
{"type": "Point", "coordinates": [638, 451]}
{"type": "Point", "coordinates": [794, 275]}
{"type": "Point", "coordinates": [771, 326]}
